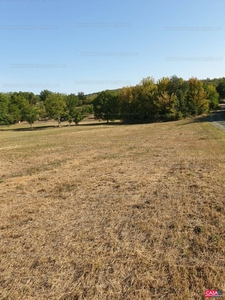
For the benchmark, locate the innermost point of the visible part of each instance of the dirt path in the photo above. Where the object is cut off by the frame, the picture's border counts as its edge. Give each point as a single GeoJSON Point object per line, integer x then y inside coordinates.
{"type": "Point", "coordinates": [217, 118]}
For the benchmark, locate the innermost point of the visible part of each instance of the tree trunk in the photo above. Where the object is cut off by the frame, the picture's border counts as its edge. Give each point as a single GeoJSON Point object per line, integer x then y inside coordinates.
{"type": "Point", "coordinates": [58, 121]}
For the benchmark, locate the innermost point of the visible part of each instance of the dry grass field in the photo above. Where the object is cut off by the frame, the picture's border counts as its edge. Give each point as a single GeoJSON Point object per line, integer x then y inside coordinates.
{"type": "Point", "coordinates": [112, 212]}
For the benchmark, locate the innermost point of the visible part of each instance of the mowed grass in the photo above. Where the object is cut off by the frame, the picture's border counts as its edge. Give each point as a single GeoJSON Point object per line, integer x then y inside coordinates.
{"type": "Point", "coordinates": [112, 212]}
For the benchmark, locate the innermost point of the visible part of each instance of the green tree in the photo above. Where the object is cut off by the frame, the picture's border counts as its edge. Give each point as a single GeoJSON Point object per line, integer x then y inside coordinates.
{"type": "Point", "coordinates": [196, 98]}
{"type": "Point", "coordinates": [78, 115]}
{"type": "Point", "coordinates": [18, 103]}
{"type": "Point", "coordinates": [55, 106]}
{"type": "Point", "coordinates": [168, 105]}
{"type": "Point", "coordinates": [163, 85]}
{"type": "Point", "coordinates": [126, 104]}
{"type": "Point", "coordinates": [42, 114]}
{"type": "Point", "coordinates": [4, 109]}
{"type": "Point", "coordinates": [145, 97]}
{"type": "Point", "coordinates": [30, 97]}
{"type": "Point", "coordinates": [14, 113]}
{"type": "Point", "coordinates": [44, 94]}
{"type": "Point", "coordinates": [71, 104]}
{"type": "Point", "coordinates": [23, 107]}
{"type": "Point", "coordinates": [87, 109]}
{"type": "Point", "coordinates": [212, 95]}
{"type": "Point", "coordinates": [30, 113]}
{"type": "Point", "coordinates": [33, 99]}
{"type": "Point", "coordinates": [167, 100]}
{"type": "Point", "coordinates": [221, 89]}
{"type": "Point", "coordinates": [179, 87]}
{"type": "Point", "coordinates": [82, 98]}
{"type": "Point", "coordinates": [106, 106]}
{"type": "Point", "coordinates": [139, 103]}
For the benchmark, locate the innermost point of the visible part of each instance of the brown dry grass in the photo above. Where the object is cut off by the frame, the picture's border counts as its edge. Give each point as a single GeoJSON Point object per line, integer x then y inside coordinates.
{"type": "Point", "coordinates": [112, 212]}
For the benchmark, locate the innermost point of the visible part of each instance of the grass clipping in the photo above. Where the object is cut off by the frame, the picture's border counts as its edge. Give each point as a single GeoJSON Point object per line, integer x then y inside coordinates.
{"type": "Point", "coordinates": [112, 212]}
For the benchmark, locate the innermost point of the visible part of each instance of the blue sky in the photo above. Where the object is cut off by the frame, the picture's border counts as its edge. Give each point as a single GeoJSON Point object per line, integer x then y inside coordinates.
{"type": "Point", "coordinates": [83, 45]}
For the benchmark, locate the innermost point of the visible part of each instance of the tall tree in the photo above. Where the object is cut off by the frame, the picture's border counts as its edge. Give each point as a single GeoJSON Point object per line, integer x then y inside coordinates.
{"type": "Point", "coordinates": [221, 89]}
{"type": "Point", "coordinates": [179, 87]}
{"type": "Point", "coordinates": [30, 113]}
{"type": "Point", "coordinates": [168, 106]}
{"type": "Point", "coordinates": [106, 106]}
{"type": "Point", "coordinates": [78, 115]}
{"type": "Point", "coordinates": [71, 104]}
{"type": "Point", "coordinates": [139, 103]}
{"type": "Point", "coordinates": [18, 103]}
{"type": "Point", "coordinates": [146, 101]}
{"type": "Point", "coordinates": [126, 104]}
{"type": "Point", "coordinates": [44, 94]}
{"type": "Point", "coordinates": [55, 105]}
{"type": "Point", "coordinates": [163, 85]}
{"type": "Point", "coordinates": [196, 98]}
{"type": "Point", "coordinates": [4, 109]}
{"type": "Point", "coordinates": [212, 95]}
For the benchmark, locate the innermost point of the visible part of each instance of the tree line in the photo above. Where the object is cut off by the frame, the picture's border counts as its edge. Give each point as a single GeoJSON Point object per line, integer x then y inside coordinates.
{"type": "Point", "coordinates": [165, 100]}
{"type": "Point", "coordinates": [25, 106]}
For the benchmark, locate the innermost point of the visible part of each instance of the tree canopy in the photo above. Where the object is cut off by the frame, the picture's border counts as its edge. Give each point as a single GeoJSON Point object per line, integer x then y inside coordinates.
{"type": "Point", "coordinates": [167, 99]}
{"type": "Point", "coordinates": [106, 106]}
{"type": "Point", "coordinates": [55, 106]}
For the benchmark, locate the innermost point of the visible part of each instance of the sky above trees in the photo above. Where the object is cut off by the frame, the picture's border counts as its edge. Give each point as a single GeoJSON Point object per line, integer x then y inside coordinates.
{"type": "Point", "coordinates": [71, 46]}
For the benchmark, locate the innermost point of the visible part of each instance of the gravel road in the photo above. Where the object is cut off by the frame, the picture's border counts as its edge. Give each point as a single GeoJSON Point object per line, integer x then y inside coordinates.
{"type": "Point", "coordinates": [218, 119]}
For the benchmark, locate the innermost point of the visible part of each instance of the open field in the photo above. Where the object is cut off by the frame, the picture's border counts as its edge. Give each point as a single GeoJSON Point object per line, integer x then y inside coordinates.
{"type": "Point", "coordinates": [112, 212]}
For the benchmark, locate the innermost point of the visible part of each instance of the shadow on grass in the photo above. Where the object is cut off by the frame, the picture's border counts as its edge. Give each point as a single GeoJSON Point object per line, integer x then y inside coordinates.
{"type": "Point", "coordinates": [44, 127]}
{"type": "Point", "coordinates": [218, 115]}
{"type": "Point", "coordinates": [100, 124]}
{"type": "Point", "coordinates": [28, 128]}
